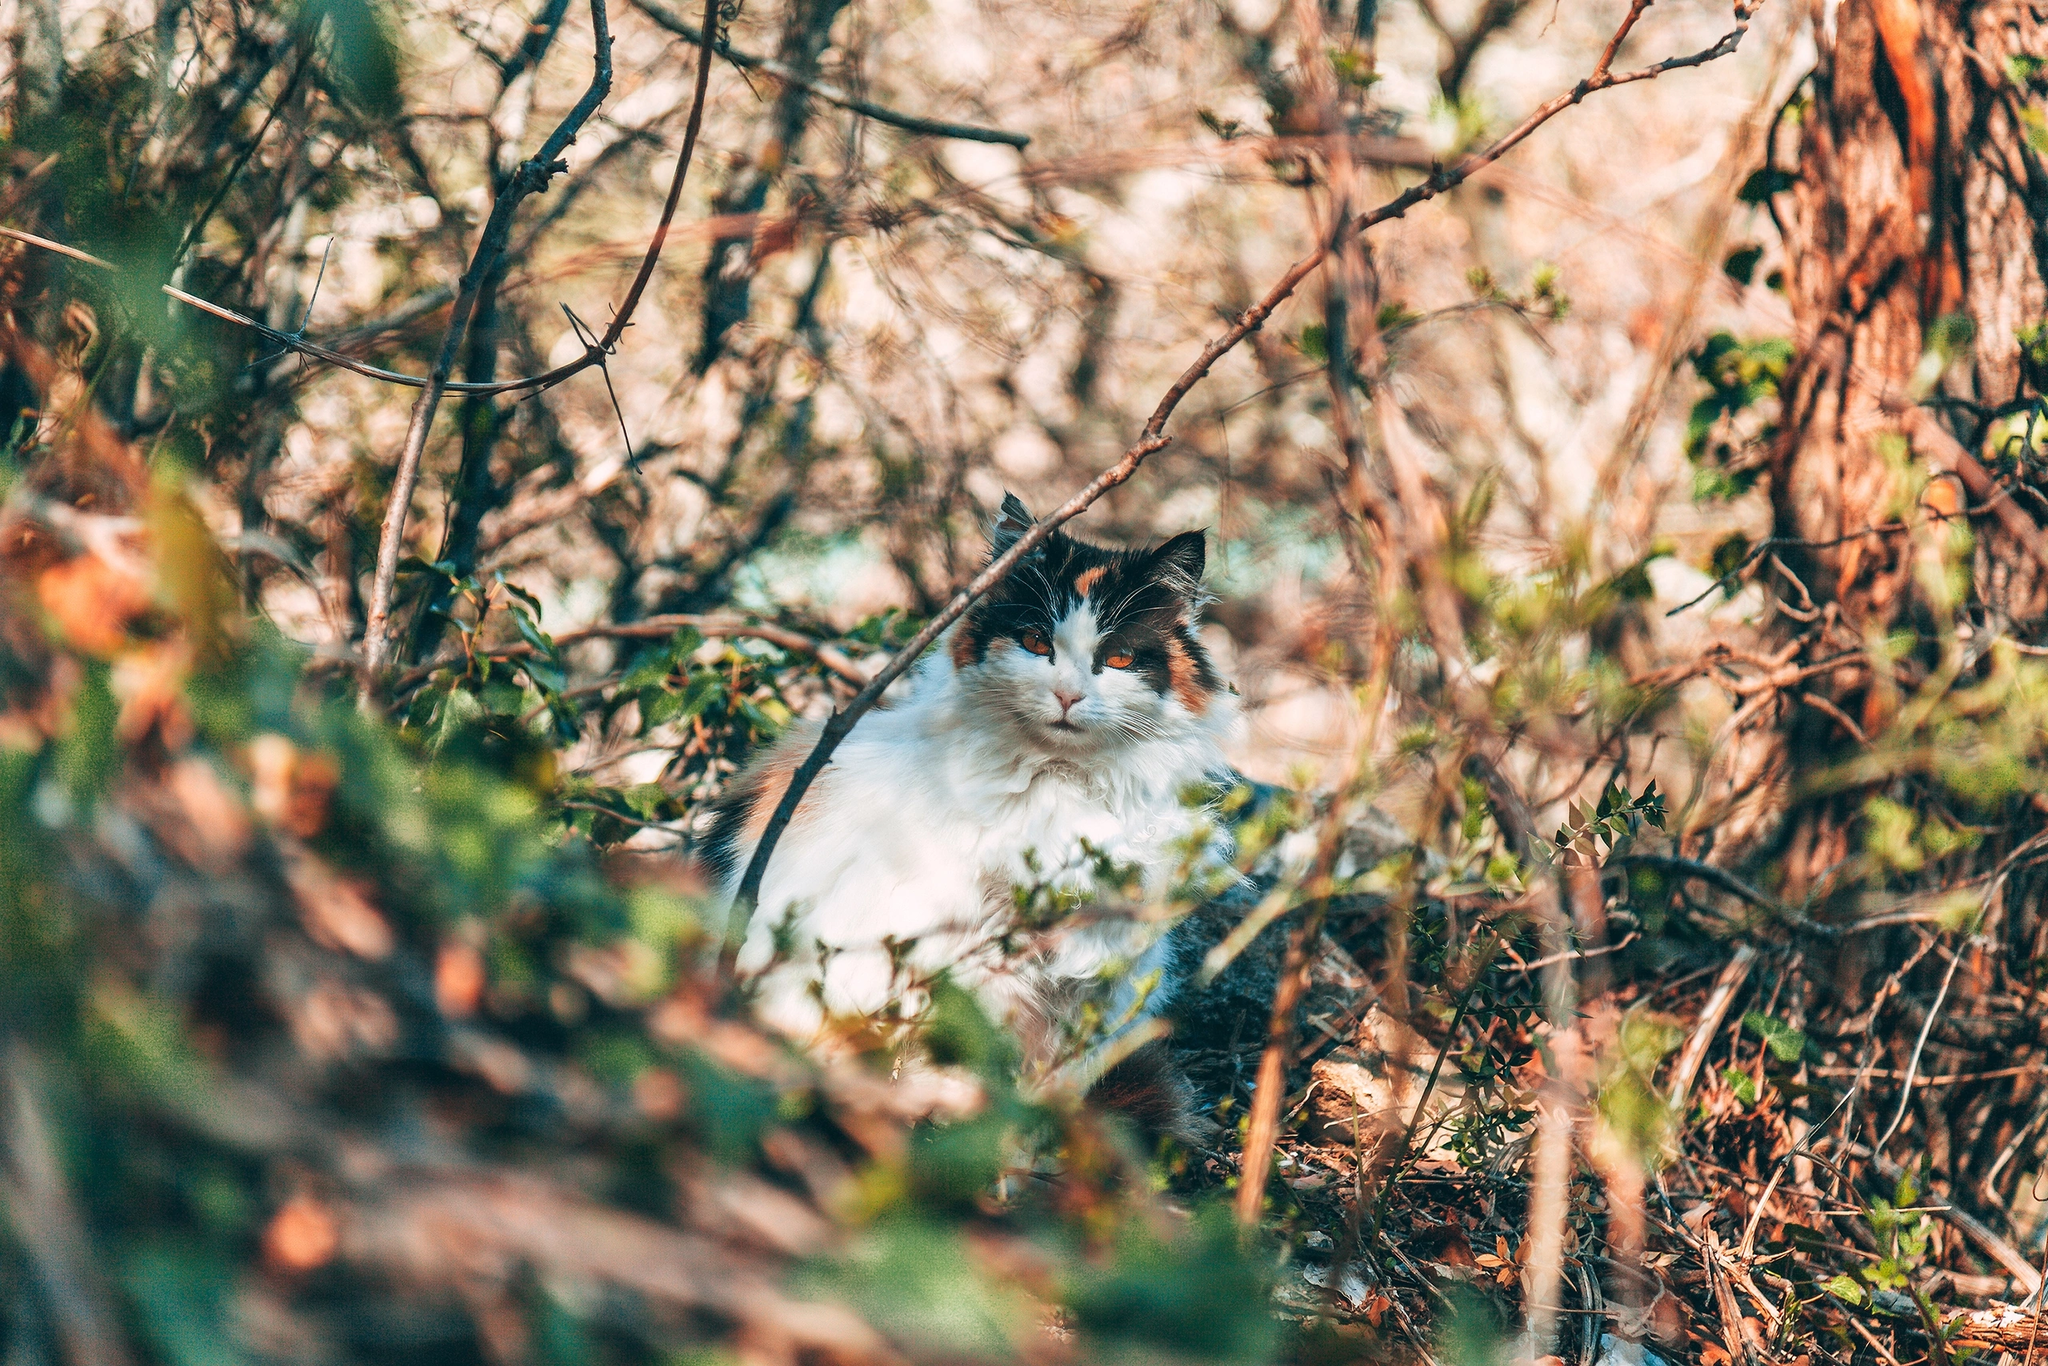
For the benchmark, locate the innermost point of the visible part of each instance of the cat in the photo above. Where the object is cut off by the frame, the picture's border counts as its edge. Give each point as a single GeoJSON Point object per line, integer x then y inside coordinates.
{"type": "Point", "coordinates": [1058, 724]}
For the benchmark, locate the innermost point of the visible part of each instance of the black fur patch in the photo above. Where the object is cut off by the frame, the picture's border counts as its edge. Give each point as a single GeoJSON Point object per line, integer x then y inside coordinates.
{"type": "Point", "coordinates": [1148, 1089]}
{"type": "Point", "coordinates": [1145, 603]}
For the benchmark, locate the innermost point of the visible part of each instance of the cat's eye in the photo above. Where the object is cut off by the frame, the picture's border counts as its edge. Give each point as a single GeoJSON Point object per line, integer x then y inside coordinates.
{"type": "Point", "coordinates": [1118, 659]}
{"type": "Point", "coordinates": [1036, 642]}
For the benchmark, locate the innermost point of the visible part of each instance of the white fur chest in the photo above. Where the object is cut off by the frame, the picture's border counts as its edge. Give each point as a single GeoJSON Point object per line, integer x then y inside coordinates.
{"type": "Point", "coordinates": [904, 855]}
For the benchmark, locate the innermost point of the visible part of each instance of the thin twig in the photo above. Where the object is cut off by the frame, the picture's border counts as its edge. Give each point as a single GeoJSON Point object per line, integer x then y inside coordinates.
{"type": "Point", "coordinates": [1153, 438]}
{"type": "Point", "coordinates": [532, 175]}
{"type": "Point", "coordinates": [768, 66]}
{"type": "Point", "coordinates": [530, 178]}
{"type": "Point", "coordinates": [1919, 1046]}
{"type": "Point", "coordinates": [198, 225]}
{"type": "Point", "coordinates": [1444, 179]}
{"type": "Point", "coordinates": [1450, 177]}
{"type": "Point", "coordinates": [1709, 1024]}
{"type": "Point", "coordinates": [656, 628]}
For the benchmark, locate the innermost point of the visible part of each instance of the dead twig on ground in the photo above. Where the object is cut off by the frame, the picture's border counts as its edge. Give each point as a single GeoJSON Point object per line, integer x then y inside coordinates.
{"type": "Point", "coordinates": [1694, 1054]}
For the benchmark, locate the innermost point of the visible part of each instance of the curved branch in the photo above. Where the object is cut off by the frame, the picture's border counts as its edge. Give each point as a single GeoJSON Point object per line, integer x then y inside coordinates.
{"type": "Point", "coordinates": [789, 75]}
{"type": "Point", "coordinates": [530, 178]}
{"type": "Point", "coordinates": [1153, 437]}
{"type": "Point", "coordinates": [655, 628]}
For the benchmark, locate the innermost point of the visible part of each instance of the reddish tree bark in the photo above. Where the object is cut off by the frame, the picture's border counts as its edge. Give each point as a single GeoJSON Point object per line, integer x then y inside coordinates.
{"type": "Point", "coordinates": [1916, 218]}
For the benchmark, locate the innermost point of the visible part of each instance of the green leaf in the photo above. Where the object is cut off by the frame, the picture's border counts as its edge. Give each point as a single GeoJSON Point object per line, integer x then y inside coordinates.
{"type": "Point", "coordinates": [1741, 1083]}
{"type": "Point", "coordinates": [658, 707]}
{"type": "Point", "coordinates": [1314, 343]}
{"type": "Point", "coordinates": [1762, 184]}
{"type": "Point", "coordinates": [645, 799]}
{"type": "Point", "coordinates": [1203, 1294]}
{"type": "Point", "coordinates": [361, 55]}
{"type": "Point", "coordinates": [459, 711]}
{"type": "Point", "coordinates": [1785, 1042]}
{"type": "Point", "coordinates": [503, 697]}
{"type": "Point", "coordinates": [1475, 809]}
{"type": "Point", "coordinates": [959, 1033]}
{"type": "Point", "coordinates": [1844, 1288]}
{"type": "Point", "coordinates": [1741, 263]}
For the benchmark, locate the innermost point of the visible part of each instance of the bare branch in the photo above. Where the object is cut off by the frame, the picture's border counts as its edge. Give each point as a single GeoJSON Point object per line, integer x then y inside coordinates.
{"type": "Point", "coordinates": [1153, 438]}
{"type": "Point", "coordinates": [531, 177]}
{"type": "Point", "coordinates": [782, 71]}
{"type": "Point", "coordinates": [656, 628]}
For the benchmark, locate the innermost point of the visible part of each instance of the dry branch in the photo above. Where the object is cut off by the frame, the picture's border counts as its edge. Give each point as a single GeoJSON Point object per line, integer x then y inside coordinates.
{"type": "Point", "coordinates": [530, 178]}
{"type": "Point", "coordinates": [661, 627]}
{"type": "Point", "coordinates": [782, 71]}
{"type": "Point", "coordinates": [1694, 1053]}
{"type": "Point", "coordinates": [1153, 438]}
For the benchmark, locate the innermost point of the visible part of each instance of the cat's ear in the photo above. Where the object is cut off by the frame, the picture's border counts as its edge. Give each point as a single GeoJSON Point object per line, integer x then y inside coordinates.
{"type": "Point", "coordinates": [1013, 521]}
{"type": "Point", "coordinates": [1179, 562]}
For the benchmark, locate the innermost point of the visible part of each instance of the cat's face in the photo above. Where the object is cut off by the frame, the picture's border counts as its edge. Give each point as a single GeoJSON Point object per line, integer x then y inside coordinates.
{"type": "Point", "coordinates": [1083, 648]}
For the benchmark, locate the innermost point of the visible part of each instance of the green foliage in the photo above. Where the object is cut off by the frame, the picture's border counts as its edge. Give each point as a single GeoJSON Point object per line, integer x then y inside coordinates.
{"type": "Point", "coordinates": [1606, 828]}
{"type": "Point", "coordinates": [1544, 298]}
{"type": "Point", "coordinates": [1180, 1294]}
{"type": "Point", "coordinates": [1786, 1043]}
{"type": "Point", "coordinates": [1903, 1234]}
{"type": "Point", "coordinates": [1353, 67]}
{"type": "Point", "coordinates": [2033, 353]}
{"type": "Point", "coordinates": [413, 840]}
{"type": "Point", "coordinates": [1741, 263]}
{"type": "Point", "coordinates": [959, 1033]}
{"type": "Point", "coordinates": [362, 58]}
{"type": "Point", "coordinates": [1726, 424]}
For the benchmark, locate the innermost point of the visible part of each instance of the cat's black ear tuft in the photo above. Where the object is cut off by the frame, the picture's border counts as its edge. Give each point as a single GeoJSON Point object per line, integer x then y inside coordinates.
{"type": "Point", "coordinates": [1181, 559]}
{"type": "Point", "coordinates": [1013, 521]}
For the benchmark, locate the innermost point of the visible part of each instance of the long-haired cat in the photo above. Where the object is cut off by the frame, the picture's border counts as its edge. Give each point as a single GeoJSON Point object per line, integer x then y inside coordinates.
{"type": "Point", "coordinates": [1055, 727]}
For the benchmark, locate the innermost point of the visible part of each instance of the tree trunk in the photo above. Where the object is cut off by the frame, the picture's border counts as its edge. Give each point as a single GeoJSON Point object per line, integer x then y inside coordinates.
{"type": "Point", "coordinates": [1916, 218]}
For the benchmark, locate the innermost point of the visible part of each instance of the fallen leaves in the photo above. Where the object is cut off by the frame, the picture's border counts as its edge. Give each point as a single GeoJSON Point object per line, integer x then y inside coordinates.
{"type": "Point", "coordinates": [336, 910]}
{"type": "Point", "coordinates": [93, 602]}
{"type": "Point", "coordinates": [290, 788]}
{"type": "Point", "coordinates": [302, 1236]}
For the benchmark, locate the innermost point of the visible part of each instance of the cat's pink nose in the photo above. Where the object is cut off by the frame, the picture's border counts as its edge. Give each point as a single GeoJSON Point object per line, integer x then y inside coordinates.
{"type": "Point", "coordinates": [1066, 701]}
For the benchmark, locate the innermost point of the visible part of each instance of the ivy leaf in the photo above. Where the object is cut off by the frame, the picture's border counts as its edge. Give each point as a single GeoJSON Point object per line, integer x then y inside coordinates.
{"type": "Point", "coordinates": [1844, 1288]}
{"type": "Point", "coordinates": [1785, 1042]}
{"type": "Point", "coordinates": [1741, 1083]}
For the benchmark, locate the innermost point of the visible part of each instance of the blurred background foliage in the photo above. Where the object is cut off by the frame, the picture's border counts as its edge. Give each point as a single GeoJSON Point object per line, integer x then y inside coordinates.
{"type": "Point", "coordinates": [1645, 865]}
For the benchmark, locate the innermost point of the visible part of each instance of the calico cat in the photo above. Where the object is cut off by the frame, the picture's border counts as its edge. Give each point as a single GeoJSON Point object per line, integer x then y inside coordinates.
{"type": "Point", "coordinates": [1057, 724]}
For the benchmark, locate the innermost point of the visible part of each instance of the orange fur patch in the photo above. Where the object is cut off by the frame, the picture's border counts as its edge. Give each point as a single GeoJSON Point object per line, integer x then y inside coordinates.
{"type": "Point", "coordinates": [771, 777]}
{"type": "Point", "coordinates": [963, 647]}
{"type": "Point", "coordinates": [1086, 580]}
{"type": "Point", "coordinates": [1181, 675]}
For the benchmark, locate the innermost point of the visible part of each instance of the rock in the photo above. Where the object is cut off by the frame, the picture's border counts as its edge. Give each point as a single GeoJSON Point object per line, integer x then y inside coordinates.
{"type": "Point", "coordinates": [1352, 1286]}
{"type": "Point", "coordinates": [1616, 1351]}
{"type": "Point", "coordinates": [1372, 1088]}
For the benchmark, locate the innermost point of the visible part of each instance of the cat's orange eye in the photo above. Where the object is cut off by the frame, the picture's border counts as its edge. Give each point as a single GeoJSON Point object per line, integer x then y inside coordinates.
{"type": "Point", "coordinates": [1118, 659]}
{"type": "Point", "coordinates": [1036, 642]}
